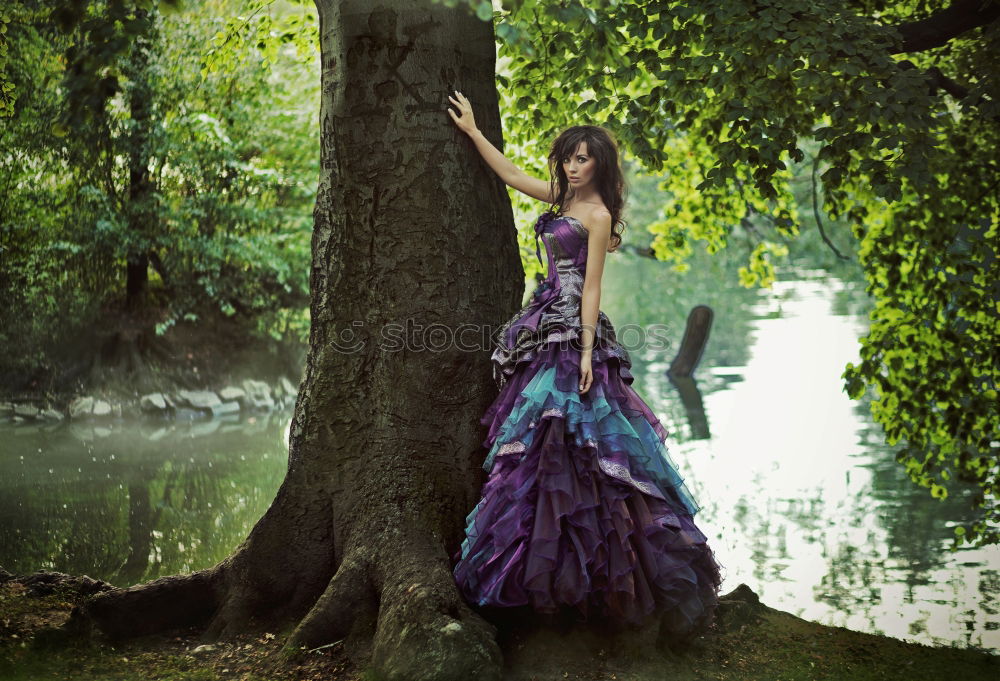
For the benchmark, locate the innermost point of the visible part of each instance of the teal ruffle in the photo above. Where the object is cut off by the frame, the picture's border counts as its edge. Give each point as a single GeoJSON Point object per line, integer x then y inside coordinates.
{"type": "Point", "coordinates": [593, 422]}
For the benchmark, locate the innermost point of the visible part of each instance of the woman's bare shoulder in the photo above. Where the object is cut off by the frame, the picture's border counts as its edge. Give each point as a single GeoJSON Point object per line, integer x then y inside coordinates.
{"type": "Point", "coordinates": [595, 216]}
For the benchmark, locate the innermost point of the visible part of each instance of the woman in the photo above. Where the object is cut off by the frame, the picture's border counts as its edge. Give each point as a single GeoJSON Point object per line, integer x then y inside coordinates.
{"type": "Point", "coordinates": [583, 510]}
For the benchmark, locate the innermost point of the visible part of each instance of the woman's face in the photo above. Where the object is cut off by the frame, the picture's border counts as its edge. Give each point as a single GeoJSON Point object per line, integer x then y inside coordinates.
{"type": "Point", "coordinates": [579, 168]}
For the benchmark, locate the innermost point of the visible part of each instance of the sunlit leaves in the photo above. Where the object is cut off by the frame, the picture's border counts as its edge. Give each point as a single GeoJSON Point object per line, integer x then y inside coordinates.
{"type": "Point", "coordinates": [255, 30]}
{"type": "Point", "coordinates": [760, 271]}
{"type": "Point", "coordinates": [7, 95]}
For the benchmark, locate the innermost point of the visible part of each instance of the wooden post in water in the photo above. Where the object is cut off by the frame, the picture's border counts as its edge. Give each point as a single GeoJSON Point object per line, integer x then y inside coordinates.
{"type": "Point", "coordinates": [699, 323]}
{"type": "Point", "coordinates": [681, 370]}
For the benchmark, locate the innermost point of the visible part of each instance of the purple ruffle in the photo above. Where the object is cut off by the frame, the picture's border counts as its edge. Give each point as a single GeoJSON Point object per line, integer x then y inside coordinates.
{"type": "Point", "coordinates": [552, 529]}
{"type": "Point", "coordinates": [608, 369]}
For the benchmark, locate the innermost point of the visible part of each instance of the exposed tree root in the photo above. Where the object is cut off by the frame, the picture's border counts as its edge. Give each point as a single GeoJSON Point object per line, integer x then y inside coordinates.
{"type": "Point", "coordinates": [393, 599]}
{"type": "Point", "coordinates": [347, 611]}
{"type": "Point", "coordinates": [425, 630]}
{"type": "Point", "coordinates": [272, 579]}
{"type": "Point", "coordinates": [233, 615]}
{"type": "Point", "coordinates": [164, 603]}
{"type": "Point", "coordinates": [398, 608]}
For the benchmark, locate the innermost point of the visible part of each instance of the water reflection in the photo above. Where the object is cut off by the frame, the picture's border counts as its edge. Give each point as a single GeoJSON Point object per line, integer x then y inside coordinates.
{"type": "Point", "coordinates": [804, 500]}
{"type": "Point", "coordinates": [132, 502]}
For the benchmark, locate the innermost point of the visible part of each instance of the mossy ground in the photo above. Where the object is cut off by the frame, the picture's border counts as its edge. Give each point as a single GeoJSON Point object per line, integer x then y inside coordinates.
{"type": "Point", "coordinates": [27, 656]}
{"type": "Point", "coordinates": [775, 646]}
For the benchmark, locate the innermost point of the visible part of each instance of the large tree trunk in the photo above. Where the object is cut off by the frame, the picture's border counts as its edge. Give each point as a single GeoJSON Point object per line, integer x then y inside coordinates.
{"type": "Point", "coordinates": [411, 229]}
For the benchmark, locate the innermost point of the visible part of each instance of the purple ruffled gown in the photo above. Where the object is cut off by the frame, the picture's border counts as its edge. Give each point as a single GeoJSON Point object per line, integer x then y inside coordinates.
{"type": "Point", "coordinates": [583, 508]}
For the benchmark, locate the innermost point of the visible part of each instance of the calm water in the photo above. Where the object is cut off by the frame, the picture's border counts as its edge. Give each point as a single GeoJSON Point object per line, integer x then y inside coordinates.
{"type": "Point", "coordinates": [799, 495]}
{"type": "Point", "coordinates": [131, 502]}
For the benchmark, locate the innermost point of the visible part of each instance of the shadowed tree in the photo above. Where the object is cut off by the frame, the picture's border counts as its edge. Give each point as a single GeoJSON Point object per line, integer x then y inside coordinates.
{"type": "Point", "coordinates": [411, 230]}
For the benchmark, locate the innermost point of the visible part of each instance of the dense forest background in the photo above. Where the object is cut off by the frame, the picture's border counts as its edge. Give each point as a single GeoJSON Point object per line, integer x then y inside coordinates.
{"type": "Point", "coordinates": [219, 224]}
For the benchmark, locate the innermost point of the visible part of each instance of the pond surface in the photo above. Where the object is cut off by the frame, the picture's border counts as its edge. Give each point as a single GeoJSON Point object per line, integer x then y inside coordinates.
{"type": "Point", "coordinates": [800, 496]}
{"type": "Point", "coordinates": [130, 502]}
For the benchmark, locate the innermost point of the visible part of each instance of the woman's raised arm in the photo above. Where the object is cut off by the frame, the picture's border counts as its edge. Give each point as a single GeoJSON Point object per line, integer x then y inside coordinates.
{"type": "Point", "coordinates": [501, 165]}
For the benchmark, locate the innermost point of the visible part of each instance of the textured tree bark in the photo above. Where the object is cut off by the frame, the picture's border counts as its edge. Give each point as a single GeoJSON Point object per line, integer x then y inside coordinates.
{"type": "Point", "coordinates": [412, 229]}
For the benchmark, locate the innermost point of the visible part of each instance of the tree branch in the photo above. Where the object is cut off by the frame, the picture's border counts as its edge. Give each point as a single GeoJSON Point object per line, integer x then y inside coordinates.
{"type": "Point", "coordinates": [816, 216]}
{"type": "Point", "coordinates": [940, 81]}
{"type": "Point", "coordinates": [945, 83]}
{"type": "Point", "coordinates": [939, 28]}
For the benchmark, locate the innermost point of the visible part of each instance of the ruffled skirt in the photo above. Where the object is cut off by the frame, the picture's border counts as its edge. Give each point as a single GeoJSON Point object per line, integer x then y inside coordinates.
{"type": "Point", "coordinates": [583, 507]}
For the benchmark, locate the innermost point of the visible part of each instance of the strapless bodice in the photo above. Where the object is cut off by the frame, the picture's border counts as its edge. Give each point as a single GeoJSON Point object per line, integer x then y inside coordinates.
{"type": "Point", "coordinates": [553, 313]}
{"type": "Point", "coordinates": [565, 243]}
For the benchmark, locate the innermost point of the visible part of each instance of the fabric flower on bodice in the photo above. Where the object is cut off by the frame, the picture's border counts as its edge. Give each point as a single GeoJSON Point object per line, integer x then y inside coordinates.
{"type": "Point", "coordinates": [543, 221]}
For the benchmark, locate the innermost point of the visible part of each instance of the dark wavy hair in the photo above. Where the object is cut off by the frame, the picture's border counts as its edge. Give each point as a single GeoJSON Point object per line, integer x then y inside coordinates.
{"type": "Point", "coordinates": [608, 176]}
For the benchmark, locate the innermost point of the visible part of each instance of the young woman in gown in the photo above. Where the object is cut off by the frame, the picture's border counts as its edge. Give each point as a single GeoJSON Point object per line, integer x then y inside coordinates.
{"type": "Point", "coordinates": [583, 511]}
